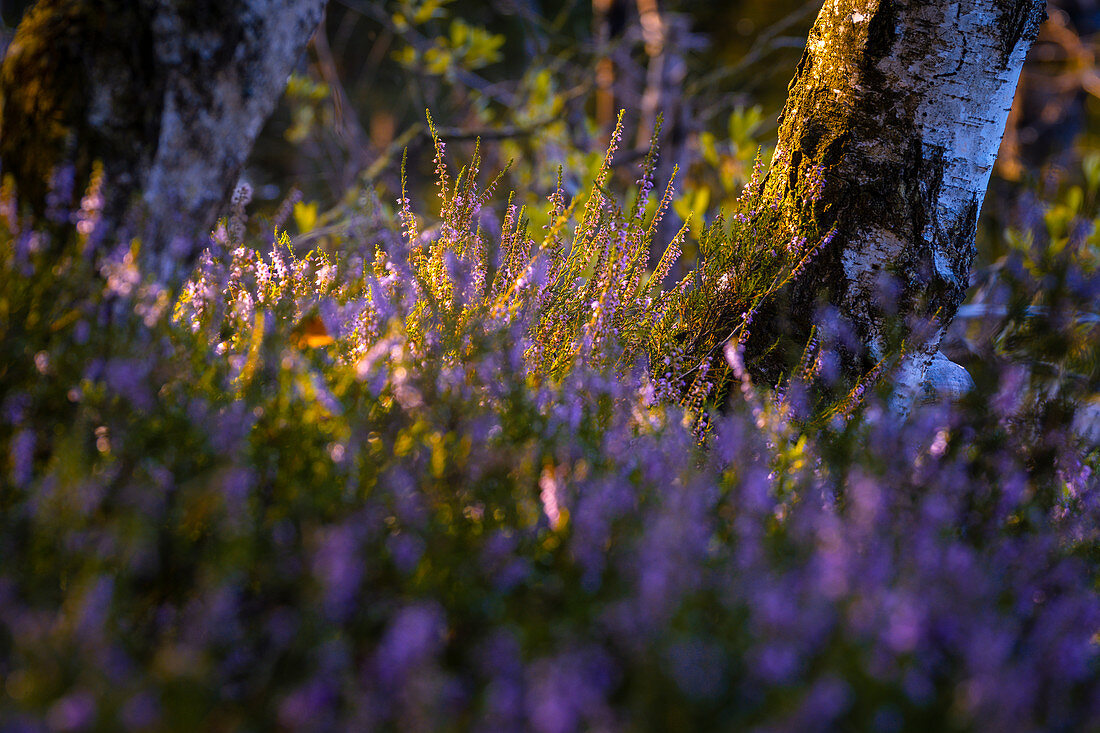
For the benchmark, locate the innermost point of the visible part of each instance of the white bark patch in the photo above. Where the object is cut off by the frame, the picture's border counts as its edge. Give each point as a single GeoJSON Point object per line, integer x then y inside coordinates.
{"type": "Point", "coordinates": [209, 125]}
{"type": "Point", "coordinates": [949, 60]}
{"type": "Point", "coordinates": [951, 55]}
{"type": "Point", "coordinates": [867, 268]}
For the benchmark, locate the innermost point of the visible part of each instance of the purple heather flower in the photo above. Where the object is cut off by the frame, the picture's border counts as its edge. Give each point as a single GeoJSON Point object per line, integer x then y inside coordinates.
{"type": "Point", "coordinates": [308, 706]}
{"type": "Point", "coordinates": [699, 668]}
{"type": "Point", "coordinates": [141, 711]}
{"type": "Point", "coordinates": [413, 637]}
{"type": "Point", "coordinates": [129, 378]}
{"type": "Point", "coordinates": [76, 711]}
{"type": "Point", "coordinates": [338, 567]}
{"type": "Point", "coordinates": [569, 691]}
{"type": "Point", "coordinates": [22, 457]}
{"type": "Point", "coordinates": [406, 551]}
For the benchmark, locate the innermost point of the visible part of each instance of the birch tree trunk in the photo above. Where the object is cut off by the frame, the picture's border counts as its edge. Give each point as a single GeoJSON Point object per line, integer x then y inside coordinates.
{"type": "Point", "coordinates": [168, 95]}
{"type": "Point", "coordinates": [902, 104]}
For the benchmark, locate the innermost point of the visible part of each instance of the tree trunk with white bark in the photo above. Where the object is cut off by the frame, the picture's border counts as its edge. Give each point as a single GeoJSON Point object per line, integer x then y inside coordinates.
{"type": "Point", "coordinates": [902, 105]}
{"type": "Point", "coordinates": [168, 95]}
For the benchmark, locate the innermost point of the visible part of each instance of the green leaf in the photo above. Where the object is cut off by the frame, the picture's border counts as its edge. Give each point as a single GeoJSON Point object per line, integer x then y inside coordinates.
{"type": "Point", "coordinates": [305, 216]}
{"type": "Point", "coordinates": [1090, 164]}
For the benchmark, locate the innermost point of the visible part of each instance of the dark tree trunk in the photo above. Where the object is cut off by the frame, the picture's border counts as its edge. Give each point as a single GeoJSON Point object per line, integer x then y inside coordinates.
{"type": "Point", "coordinates": [902, 105]}
{"type": "Point", "coordinates": [168, 95]}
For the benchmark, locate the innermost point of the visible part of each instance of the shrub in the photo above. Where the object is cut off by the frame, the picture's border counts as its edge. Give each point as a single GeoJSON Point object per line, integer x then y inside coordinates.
{"type": "Point", "coordinates": [433, 479]}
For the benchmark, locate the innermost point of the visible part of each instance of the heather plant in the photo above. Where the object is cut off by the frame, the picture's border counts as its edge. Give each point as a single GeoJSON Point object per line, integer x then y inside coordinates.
{"type": "Point", "coordinates": [431, 476]}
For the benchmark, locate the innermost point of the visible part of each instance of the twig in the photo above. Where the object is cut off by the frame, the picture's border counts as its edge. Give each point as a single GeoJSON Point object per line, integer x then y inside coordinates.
{"type": "Point", "coordinates": [985, 310]}
{"type": "Point", "coordinates": [347, 125]}
{"type": "Point", "coordinates": [766, 42]}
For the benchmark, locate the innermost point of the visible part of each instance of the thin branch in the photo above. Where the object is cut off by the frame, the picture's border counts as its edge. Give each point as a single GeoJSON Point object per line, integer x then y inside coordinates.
{"type": "Point", "coordinates": [974, 311]}
{"type": "Point", "coordinates": [348, 127]}
{"type": "Point", "coordinates": [767, 41]}
{"type": "Point", "coordinates": [418, 41]}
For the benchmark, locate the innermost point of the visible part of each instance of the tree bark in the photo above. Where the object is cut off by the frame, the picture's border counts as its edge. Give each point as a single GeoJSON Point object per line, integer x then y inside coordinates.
{"type": "Point", "coordinates": [900, 105]}
{"type": "Point", "coordinates": [168, 95]}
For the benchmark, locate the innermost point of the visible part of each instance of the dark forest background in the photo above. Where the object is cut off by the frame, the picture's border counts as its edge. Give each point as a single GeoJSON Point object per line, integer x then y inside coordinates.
{"type": "Point", "coordinates": [544, 79]}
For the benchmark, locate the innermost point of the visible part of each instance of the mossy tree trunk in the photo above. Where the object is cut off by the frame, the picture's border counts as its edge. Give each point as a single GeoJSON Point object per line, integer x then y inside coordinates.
{"type": "Point", "coordinates": [168, 95]}
{"type": "Point", "coordinates": [902, 105]}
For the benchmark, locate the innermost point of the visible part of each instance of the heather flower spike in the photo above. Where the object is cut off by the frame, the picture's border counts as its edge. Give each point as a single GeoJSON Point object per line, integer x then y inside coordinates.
{"type": "Point", "coordinates": [514, 483]}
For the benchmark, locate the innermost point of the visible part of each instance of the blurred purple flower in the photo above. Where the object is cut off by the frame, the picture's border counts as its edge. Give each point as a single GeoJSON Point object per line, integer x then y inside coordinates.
{"type": "Point", "coordinates": [413, 637]}
{"type": "Point", "coordinates": [76, 711]}
{"type": "Point", "coordinates": [338, 567]}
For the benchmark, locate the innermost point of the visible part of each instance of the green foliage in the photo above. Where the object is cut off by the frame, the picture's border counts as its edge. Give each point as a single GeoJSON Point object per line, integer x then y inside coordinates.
{"type": "Point", "coordinates": [1035, 305]}
{"type": "Point", "coordinates": [464, 46]}
{"type": "Point", "coordinates": [308, 100]}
